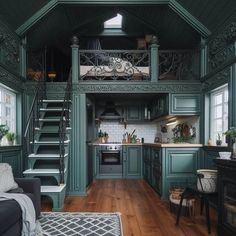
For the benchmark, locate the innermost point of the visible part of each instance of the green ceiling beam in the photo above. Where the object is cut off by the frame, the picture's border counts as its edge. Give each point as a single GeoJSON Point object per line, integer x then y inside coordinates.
{"type": "Point", "coordinates": [114, 2]}
{"type": "Point", "coordinates": [174, 5]}
{"type": "Point", "coordinates": [53, 3]}
{"type": "Point", "coordinates": [190, 19]}
{"type": "Point", "coordinates": [36, 17]}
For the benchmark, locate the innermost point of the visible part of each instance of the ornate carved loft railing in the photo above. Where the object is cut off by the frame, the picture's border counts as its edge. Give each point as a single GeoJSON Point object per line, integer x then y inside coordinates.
{"type": "Point", "coordinates": [135, 65]}
{"type": "Point", "coordinates": [34, 115]}
{"type": "Point", "coordinates": [114, 64]}
{"type": "Point", "coordinates": [179, 65]}
{"type": "Point", "coordinates": [63, 125]}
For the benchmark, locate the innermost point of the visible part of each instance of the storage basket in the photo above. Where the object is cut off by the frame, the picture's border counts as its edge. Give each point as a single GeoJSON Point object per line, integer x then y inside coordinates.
{"type": "Point", "coordinates": [207, 183]}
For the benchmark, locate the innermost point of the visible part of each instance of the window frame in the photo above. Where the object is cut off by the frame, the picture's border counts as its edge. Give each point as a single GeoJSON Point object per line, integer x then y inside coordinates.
{"type": "Point", "coordinates": [6, 91]}
{"type": "Point", "coordinates": [225, 112]}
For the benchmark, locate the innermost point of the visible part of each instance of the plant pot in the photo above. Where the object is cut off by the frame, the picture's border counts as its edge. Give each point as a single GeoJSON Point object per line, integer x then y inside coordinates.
{"type": "Point", "coordinates": [218, 142]}
{"type": "Point", "coordinates": [10, 143]}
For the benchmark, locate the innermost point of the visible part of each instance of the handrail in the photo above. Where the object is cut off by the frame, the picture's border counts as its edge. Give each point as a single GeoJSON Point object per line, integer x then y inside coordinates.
{"type": "Point", "coordinates": [39, 85]}
{"type": "Point", "coordinates": [64, 123]}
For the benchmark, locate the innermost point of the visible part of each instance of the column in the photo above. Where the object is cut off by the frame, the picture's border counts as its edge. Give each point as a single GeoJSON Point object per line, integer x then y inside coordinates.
{"type": "Point", "coordinates": [75, 59]}
{"type": "Point", "coordinates": [154, 59]}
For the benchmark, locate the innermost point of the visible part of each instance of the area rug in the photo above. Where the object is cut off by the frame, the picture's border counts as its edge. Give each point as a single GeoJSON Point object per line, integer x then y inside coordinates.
{"type": "Point", "coordinates": [84, 224]}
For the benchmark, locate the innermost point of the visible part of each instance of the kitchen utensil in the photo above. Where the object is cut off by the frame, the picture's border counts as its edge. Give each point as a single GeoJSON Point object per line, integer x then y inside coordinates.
{"type": "Point", "coordinates": [163, 129]}
{"type": "Point", "coordinates": [132, 133]}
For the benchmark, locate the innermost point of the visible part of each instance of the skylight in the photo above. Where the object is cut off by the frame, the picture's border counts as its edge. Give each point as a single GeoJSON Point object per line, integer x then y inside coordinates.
{"type": "Point", "coordinates": [114, 23]}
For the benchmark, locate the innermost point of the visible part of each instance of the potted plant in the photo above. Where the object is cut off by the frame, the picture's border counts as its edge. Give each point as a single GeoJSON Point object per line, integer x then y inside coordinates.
{"type": "Point", "coordinates": [3, 131]}
{"type": "Point", "coordinates": [10, 137]}
{"type": "Point", "coordinates": [231, 132]}
{"type": "Point", "coordinates": [218, 140]}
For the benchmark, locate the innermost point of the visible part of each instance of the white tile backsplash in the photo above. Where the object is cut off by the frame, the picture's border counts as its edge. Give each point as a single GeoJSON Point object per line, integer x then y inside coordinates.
{"type": "Point", "coordinates": [148, 131]}
{"type": "Point", "coordinates": [116, 130]}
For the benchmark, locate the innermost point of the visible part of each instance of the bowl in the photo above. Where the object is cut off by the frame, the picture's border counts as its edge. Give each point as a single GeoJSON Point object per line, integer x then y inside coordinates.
{"type": "Point", "coordinates": [225, 155]}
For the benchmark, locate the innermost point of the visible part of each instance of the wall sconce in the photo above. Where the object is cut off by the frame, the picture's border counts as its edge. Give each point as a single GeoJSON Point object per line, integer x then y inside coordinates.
{"type": "Point", "coordinates": [52, 75]}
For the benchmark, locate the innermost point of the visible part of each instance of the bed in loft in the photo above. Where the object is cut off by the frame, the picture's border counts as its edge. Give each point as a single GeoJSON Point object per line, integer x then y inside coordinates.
{"type": "Point", "coordinates": [114, 65]}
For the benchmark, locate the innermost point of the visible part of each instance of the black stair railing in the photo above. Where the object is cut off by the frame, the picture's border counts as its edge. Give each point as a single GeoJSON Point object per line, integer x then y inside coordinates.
{"type": "Point", "coordinates": [34, 116]}
{"type": "Point", "coordinates": [63, 125]}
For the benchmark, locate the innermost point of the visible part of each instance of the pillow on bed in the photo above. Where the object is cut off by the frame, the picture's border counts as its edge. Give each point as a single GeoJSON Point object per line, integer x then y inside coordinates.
{"type": "Point", "coordinates": [7, 181]}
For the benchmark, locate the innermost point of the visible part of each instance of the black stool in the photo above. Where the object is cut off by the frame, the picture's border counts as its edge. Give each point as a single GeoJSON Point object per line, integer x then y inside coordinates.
{"type": "Point", "coordinates": [206, 199]}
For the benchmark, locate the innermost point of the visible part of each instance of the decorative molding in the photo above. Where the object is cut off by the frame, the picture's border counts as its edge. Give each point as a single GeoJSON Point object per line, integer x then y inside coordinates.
{"type": "Point", "coordinates": [217, 80]}
{"type": "Point", "coordinates": [222, 46]}
{"type": "Point", "coordinates": [145, 87]}
{"type": "Point", "coordinates": [226, 37]}
{"type": "Point", "coordinates": [222, 56]}
{"type": "Point", "coordinates": [55, 90]}
{"type": "Point", "coordinates": [10, 80]}
{"type": "Point", "coordinates": [9, 48]}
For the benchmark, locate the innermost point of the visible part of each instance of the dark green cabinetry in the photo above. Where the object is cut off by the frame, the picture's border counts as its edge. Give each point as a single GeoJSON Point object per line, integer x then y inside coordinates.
{"type": "Point", "coordinates": [147, 162]}
{"type": "Point", "coordinates": [132, 162]}
{"type": "Point", "coordinates": [179, 168]}
{"type": "Point", "coordinates": [184, 104]}
{"type": "Point", "coordinates": [164, 168]}
{"type": "Point", "coordinates": [135, 113]}
{"type": "Point", "coordinates": [159, 106]}
{"type": "Point", "coordinates": [156, 170]}
{"type": "Point", "coordinates": [210, 153]}
{"type": "Point", "coordinates": [152, 167]}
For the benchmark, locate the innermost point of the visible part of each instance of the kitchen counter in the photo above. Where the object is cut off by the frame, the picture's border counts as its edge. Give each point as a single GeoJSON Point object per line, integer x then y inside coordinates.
{"type": "Point", "coordinates": [165, 145]}
{"type": "Point", "coordinates": [176, 145]}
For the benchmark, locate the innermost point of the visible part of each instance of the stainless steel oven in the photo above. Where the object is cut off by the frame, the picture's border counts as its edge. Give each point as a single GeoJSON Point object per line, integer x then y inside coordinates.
{"type": "Point", "coordinates": [111, 159]}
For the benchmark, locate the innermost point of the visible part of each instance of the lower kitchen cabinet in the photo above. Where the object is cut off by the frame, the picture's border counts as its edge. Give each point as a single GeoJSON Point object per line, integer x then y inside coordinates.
{"type": "Point", "coordinates": [165, 168]}
{"type": "Point", "coordinates": [152, 167]}
{"type": "Point", "coordinates": [132, 161]}
{"type": "Point", "coordinates": [179, 168]}
{"type": "Point", "coordinates": [147, 172]}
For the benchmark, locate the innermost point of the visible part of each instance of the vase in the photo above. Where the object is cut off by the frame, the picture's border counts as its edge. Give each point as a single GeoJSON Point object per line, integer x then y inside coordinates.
{"type": "Point", "coordinates": [234, 148]}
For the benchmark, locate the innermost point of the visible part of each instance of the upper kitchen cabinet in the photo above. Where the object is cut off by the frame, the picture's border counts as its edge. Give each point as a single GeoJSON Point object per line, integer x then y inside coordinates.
{"type": "Point", "coordinates": [159, 106]}
{"type": "Point", "coordinates": [136, 113]}
{"type": "Point", "coordinates": [184, 104]}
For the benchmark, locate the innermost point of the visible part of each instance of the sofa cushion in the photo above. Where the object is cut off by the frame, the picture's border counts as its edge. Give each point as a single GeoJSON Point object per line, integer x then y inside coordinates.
{"type": "Point", "coordinates": [7, 181]}
{"type": "Point", "coordinates": [10, 213]}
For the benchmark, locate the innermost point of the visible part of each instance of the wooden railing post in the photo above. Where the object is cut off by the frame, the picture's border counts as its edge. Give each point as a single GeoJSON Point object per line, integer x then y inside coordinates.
{"type": "Point", "coordinates": [75, 59]}
{"type": "Point", "coordinates": [154, 59]}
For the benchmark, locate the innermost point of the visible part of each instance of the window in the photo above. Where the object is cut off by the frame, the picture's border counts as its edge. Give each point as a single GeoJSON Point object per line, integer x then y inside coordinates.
{"type": "Point", "coordinates": [114, 23]}
{"type": "Point", "coordinates": [219, 113]}
{"type": "Point", "coordinates": [7, 108]}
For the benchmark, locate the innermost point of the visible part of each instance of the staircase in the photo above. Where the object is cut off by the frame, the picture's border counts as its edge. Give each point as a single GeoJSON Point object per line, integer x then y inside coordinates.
{"type": "Point", "coordinates": [47, 140]}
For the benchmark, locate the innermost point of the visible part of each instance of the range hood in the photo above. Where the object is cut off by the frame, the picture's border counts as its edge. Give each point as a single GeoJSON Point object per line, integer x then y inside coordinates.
{"type": "Point", "coordinates": [110, 112]}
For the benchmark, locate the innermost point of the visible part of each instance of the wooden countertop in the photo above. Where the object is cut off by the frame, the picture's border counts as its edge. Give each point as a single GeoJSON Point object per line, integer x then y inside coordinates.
{"type": "Point", "coordinates": [164, 145]}
{"type": "Point", "coordinates": [168, 145]}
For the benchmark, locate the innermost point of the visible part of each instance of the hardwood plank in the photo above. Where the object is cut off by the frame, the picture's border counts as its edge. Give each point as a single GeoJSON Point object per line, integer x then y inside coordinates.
{"type": "Point", "coordinates": [143, 212]}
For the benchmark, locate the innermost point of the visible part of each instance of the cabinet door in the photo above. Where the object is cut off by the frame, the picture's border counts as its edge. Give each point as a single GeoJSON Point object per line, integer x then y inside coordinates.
{"type": "Point", "coordinates": [184, 104]}
{"type": "Point", "coordinates": [180, 168]}
{"type": "Point", "coordinates": [132, 162]}
{"type": "Point", "coordinates": [156, 178]}
{"type": "Point", "coordinates": [135, 112]}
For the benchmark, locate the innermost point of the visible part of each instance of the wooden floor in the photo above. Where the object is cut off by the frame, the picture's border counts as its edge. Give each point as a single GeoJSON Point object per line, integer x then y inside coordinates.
{"type": "Point", "coordinates": [143, 213]}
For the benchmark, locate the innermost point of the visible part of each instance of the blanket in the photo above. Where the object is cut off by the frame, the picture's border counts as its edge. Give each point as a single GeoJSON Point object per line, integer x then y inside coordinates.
{"type": "Point", "coordinates": [30, 227]}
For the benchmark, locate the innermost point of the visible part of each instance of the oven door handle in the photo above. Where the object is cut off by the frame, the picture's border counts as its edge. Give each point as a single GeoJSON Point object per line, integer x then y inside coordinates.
{"type": "Point", "coordinates": [114, 152]}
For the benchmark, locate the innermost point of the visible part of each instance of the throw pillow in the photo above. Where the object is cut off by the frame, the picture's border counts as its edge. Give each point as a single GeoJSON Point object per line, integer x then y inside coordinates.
{"type": "Point", "coordinates": [7, 181]}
